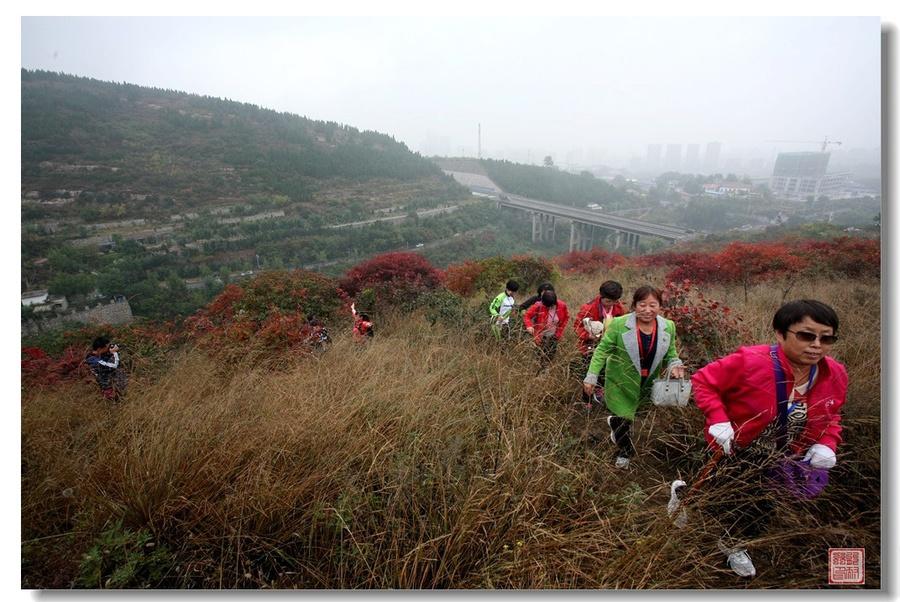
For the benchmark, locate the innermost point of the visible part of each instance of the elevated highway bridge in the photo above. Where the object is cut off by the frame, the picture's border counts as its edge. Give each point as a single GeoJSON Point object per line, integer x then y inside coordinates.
{"type": "Point", "coordinates": [584, 223]}
{"type": "Point", "coordinates": [586, 227]}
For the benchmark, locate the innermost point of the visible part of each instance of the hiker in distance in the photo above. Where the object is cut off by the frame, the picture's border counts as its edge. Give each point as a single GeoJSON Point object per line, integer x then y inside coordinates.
{"type": "Point", "coordinates": [590, 322]}
{"type": "Point", "coordinates": [633, 351]}
{"type": "Point", "coordinates": [773, 412]}
{"type": "Point", "coordinates": [363, 329]}
{"type": "Point", "coordinates": [546, 321]}
{"type": "Point", "coordinates": [501, 308]}
{"type": "Point", "coordinates": [103, 360]}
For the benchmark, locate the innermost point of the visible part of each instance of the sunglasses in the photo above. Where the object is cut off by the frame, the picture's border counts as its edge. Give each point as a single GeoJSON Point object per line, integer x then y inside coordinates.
{"type": "Point", "coordinates": [809, 337]}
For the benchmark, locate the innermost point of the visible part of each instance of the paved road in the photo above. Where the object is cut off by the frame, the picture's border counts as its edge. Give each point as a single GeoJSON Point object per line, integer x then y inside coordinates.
{"type": "Point", "coordinates": [595, 218]}
{"type": "Point", "coordinates": [396, 218]}
{"type": "Point", "coordinates": [480, 183]}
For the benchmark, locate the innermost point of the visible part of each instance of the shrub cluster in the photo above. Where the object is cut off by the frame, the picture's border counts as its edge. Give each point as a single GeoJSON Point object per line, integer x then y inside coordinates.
{"type": "Point", "coordinates": [490, 275]}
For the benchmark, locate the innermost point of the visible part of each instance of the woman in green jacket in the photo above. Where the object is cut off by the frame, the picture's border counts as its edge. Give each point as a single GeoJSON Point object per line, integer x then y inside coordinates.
{"type": "Point", "coordinates": [634, 349]}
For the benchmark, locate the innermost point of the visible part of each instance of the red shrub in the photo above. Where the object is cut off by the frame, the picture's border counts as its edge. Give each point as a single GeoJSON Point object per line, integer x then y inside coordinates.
{"type": "Point", "coordinates": [845, 256]}
{"type": "Point", "coordinates": [38, 368]}
{"type": "Point", "coordinates": [270, 310]}
{"type": "Point", "coordinates": [461, 278]}
{"type": "Point", "coordinates": [698, 267]}
{"type": "Point", "coordinates": [393, 277]}
{"type": "Point", "coordinates": [589, 262]}
{"type": "Point", "coordinates": [706, 328]}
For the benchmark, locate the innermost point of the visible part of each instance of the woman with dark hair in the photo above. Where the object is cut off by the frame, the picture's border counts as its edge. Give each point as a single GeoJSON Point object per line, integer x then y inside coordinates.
{"type": "Point", "coordinates": [590, 322]}
{"type": "Point", "coordinates": [546, 321]}
{"type": "Point", "coordinates": [633, 351]}
{"type": "Point", "coordinates": [771, 409]}
{"type": "Point", "coordinates": [527, 303]}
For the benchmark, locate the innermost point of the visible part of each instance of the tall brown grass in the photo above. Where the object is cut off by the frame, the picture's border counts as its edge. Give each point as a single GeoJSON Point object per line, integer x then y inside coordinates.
{"type": "Point", "coordinates": [431, 457]}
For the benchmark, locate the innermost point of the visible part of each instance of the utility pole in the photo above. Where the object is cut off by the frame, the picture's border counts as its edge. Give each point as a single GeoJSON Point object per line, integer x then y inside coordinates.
{"type": "Point", "coordinates": [479, 141]}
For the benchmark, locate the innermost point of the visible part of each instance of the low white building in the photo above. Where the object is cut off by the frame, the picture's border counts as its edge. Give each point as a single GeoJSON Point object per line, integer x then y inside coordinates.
{"type": "Point", "coordinates": [30, 298]}
{"type": "Point", "coordinates": [42, 301]}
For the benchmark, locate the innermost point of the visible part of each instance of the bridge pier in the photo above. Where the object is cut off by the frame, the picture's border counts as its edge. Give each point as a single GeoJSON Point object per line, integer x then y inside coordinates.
{"type": "Point", "coordinates": [584, 226]}
{"type": "Point", "coordinates": [631, 240]}
{"type": "Point", "coordinates": [543, 227]}
{"type": "Point", "coordinates": [581, 237]}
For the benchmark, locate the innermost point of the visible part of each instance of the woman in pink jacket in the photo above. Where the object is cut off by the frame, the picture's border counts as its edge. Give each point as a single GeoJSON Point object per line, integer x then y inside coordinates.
{"type": "Point", "coordinates": [765, 406]}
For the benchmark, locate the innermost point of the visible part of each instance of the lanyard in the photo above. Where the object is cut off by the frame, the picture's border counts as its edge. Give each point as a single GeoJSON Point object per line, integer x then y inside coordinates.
{"type": "Point", "coordinates": [601, 310]}
{"type": "Point", "coordinates": [644, 352]}
{"type": "Point", "coordinates": [782, 395]}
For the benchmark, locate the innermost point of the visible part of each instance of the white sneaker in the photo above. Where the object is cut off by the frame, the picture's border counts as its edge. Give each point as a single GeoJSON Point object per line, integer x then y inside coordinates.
{"type": "Point", "coordinates": [622, 462]}
{"type": "Point", "coordinates": [738, 560]}
{"type": "Point", "coordinates": [740, 563]}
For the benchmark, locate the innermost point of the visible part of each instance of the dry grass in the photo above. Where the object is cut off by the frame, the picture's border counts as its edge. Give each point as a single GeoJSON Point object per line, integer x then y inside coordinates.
{"type": "Point", "coordinates": [427, 459]}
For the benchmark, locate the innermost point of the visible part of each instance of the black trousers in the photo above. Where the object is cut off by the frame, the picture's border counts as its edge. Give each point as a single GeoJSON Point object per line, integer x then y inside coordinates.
{"type": "Point", "coordinates": [621, 428]}
{"type": "Point", "coordinates": [738, 497]}
{"type": "Point", "coordinates": [583, 367]}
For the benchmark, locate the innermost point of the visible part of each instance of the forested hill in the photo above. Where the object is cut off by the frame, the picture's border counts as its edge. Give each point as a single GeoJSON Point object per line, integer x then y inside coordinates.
{"type": "Point", "coordinates": [89, 135]}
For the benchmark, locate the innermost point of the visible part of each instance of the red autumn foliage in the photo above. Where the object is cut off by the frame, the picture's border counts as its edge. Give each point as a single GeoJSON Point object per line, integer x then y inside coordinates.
{"type": "Point", "coordinates": [845, 256]}
{"type": "Point", "coordinates": [589, 262]}
{"type": "Point", "coordinates": [461, 278]}
{"type": "Point", "coordinates": [697, 267]}
{"type": "Point", "coordinates": [393, 276]}
{"type": "Point", "coordinates": [38, 368]}
{"type": "Point", "coordinates": [270, 310]}
{"type": "Point", "coordinates": [706, 328]}
{"type": "Point", "coordinates": [749, 263]}
{"type": "Point", "coordinates": [491, 274]}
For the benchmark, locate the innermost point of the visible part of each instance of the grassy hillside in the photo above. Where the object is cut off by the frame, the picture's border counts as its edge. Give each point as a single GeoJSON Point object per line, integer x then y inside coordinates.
{"type": "Point", "coordinates": [430, 458]}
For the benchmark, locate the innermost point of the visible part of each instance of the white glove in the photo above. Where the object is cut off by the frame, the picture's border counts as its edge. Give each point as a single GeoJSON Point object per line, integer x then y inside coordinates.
{"type": "Point", "coordinates": [723, 434]}
{"type": "Point", "coordinates": [820, 456]}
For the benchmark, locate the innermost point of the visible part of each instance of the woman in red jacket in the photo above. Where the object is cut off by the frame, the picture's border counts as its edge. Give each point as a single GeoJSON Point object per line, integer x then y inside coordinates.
{"type": "Point", "coordinates": [599, 310]}
{"type": "Point", "coordinates": [766, 403]}
{"type": "Point", "coordinates": [546, 321]}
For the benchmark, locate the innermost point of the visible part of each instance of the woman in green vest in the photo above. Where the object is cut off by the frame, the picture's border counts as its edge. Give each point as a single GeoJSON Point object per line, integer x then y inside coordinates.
{"type": "Point", "coordinates": [634, 350]}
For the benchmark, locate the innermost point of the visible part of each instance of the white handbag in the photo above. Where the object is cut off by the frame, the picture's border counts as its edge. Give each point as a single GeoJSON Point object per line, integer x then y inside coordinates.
{"type": "Point", "coordinates": [670, 392]}
{"type": "Point", "coordinates": [594, 327]}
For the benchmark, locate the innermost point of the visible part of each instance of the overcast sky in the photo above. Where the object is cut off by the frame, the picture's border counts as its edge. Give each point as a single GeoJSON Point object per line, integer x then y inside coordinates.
{"type": "Point", "coordinates": [612, 84]}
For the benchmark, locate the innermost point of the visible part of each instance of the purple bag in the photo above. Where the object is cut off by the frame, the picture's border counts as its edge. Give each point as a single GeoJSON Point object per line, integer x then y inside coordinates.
{"type": "Point", "coordinates": [799, 478]}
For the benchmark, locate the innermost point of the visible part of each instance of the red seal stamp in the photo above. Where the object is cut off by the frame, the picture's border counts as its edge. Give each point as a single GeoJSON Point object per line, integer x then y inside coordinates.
{"type": "Point", "coordinates": [846, 566]}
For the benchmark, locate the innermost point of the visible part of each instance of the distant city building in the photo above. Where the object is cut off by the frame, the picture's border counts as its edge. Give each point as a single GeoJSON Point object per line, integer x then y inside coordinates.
{"type": "Point", "coordinates": [692, 158]}
{"type": "Point", "coordinates": [803, 174]}
{"type": "Point", "coordinates": [727, 189]}
{"type": "Point", "coordinates": [654, 155]}
{"type": "Point", "coordinates": [711, 159]}
{"type": "Point", "coordinates": [673, 157]}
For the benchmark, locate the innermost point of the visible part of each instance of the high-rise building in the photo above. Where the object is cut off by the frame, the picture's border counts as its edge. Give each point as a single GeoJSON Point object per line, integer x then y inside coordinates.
{"type": "Point", "coordinates": [711, 159]}
{"type": "Point", "coordinates": [673, 157]}
{"type": "Point", "coordinates": [654, 154]}
{"type": "Point", "coordinates": [801, 175]}
{"type": "Point", "coordinates": [692, 158]}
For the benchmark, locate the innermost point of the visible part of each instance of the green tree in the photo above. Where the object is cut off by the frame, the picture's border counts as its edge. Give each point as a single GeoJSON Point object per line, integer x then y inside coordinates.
{"type": "Point", "coordinates": [71, 285]}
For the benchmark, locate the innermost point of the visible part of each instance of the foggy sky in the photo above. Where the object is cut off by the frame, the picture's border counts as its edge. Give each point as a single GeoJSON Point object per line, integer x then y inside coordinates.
{"type": "Point", "coordinates": [608, 85]}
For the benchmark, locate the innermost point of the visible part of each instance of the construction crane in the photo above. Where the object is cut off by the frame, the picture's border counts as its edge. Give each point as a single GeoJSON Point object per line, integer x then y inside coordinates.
{"type": "Point", "coordinates": [824, 143]}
